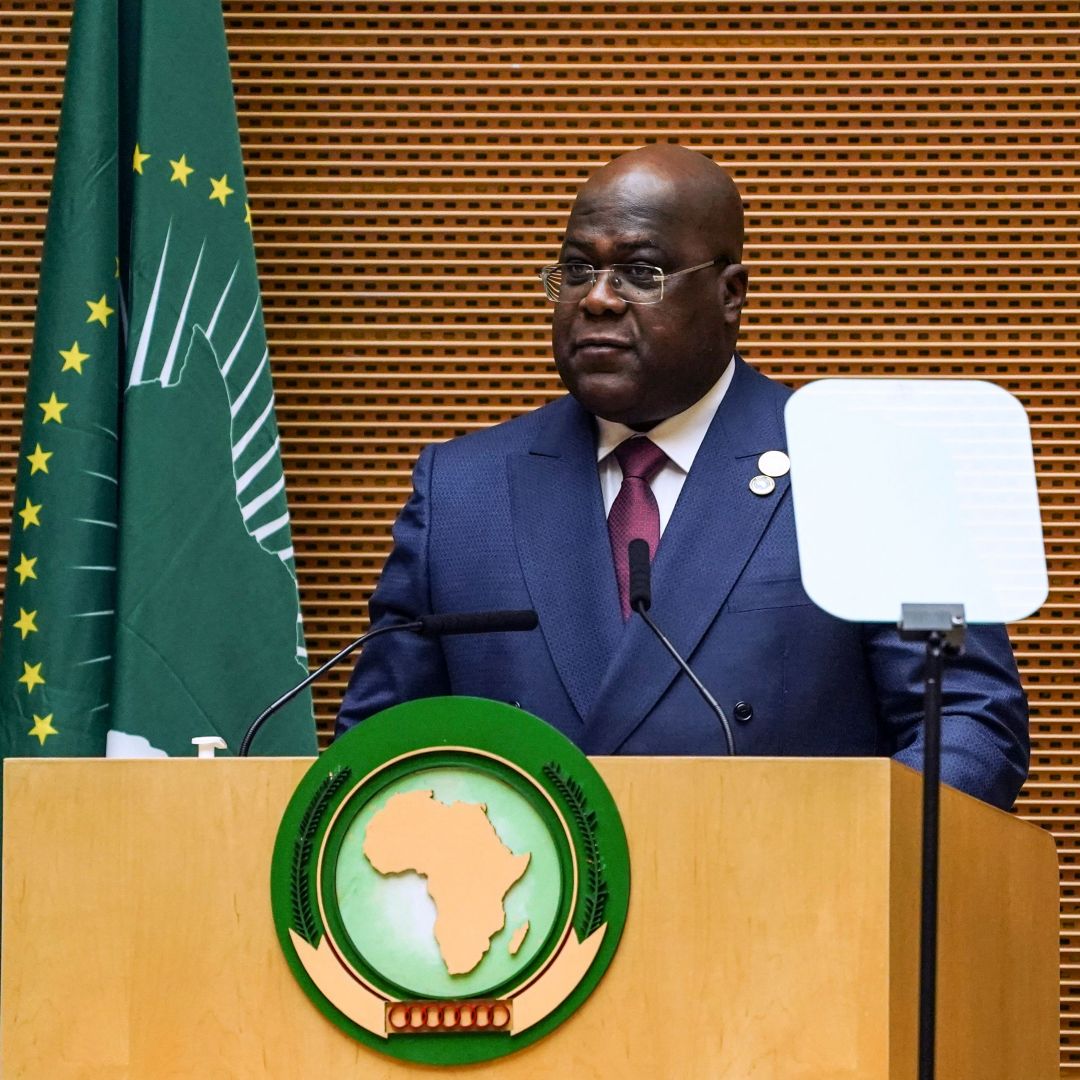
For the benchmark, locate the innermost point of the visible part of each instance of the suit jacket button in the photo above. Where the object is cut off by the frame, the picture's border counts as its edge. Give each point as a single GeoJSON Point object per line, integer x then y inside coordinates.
{"type": "Point", "coordinates": [744, 712]}
{"type": "Point", "coordinates": [515, 704]}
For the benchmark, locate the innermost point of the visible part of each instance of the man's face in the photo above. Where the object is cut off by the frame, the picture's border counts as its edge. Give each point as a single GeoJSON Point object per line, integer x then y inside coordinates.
{"type": "Point", "coordinates": [639, 364]}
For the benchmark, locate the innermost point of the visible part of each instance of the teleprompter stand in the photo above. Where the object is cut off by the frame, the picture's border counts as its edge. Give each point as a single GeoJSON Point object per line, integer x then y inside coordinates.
{"type": "Point", "coordinates": [942, 627]}
{"type": "Point", "coordinates": [906, 488]}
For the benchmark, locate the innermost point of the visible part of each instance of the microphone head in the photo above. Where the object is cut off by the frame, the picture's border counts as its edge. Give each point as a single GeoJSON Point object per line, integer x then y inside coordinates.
{"type": "Point", "coordinates": [477, 622]}
{"type": "Point", "coordinates": [640, 593]}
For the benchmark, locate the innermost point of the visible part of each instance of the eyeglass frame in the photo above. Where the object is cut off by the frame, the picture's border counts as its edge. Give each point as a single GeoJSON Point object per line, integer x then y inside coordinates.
{"type": "Point", "coordinates": [547, 271]}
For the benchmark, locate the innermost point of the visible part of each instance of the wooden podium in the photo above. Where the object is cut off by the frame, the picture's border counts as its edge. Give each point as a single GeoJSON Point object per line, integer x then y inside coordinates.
{"type": "Point", "coordinates": [772, 930]}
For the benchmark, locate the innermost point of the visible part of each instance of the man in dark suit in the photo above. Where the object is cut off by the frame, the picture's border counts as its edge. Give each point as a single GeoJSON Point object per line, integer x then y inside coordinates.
{"type": "Point", "coordinates": [662, 437]}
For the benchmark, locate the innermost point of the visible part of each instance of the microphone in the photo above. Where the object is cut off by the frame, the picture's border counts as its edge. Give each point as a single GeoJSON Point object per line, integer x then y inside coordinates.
{"type": "Point", "coordinates": [640, 592]}
{"type": "Point", "coordinates": [457, 622]}
{"type": "Point", "coordinates": [640, 595]}
{"type": "Point", "coordinates": [477, 622]}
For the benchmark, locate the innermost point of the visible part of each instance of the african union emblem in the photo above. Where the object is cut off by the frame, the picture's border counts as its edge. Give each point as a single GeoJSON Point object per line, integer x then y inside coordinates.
{"type": "Point", "coordinates": [450, 880]}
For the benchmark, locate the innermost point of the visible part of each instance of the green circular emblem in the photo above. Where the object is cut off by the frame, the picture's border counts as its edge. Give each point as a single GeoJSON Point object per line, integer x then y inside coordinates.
{"type": "Point", "coordinates": [450, 880]}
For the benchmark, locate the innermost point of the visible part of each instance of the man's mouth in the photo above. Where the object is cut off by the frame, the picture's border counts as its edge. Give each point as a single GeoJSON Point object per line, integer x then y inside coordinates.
{"type": "Point", "coordinates": [601, 343]}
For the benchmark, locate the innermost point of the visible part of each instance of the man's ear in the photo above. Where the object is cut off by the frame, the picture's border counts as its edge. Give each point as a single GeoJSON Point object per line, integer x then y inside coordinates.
{"type": "Point", "coordinates": [734, 285]}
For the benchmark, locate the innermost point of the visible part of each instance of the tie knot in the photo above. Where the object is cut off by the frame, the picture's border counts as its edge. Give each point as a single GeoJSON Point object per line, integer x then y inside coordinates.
{"type": "Point", "coordinates": [640, 457]}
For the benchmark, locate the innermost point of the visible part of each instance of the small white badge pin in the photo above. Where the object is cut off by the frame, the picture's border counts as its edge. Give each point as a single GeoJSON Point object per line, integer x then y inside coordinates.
{"type": "Point", "coordinates": [774, 463]}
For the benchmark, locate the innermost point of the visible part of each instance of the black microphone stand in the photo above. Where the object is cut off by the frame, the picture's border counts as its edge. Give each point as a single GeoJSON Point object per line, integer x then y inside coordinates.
{"type": "Point", "coordinates": [640, 596]}
{"type": "Point", "coordinates": [454, 622]}
{"type": "Point", "coordinates": [252, 731]}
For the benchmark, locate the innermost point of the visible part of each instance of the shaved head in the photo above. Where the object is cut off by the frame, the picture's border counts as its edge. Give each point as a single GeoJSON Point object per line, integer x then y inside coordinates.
{"type": "Point", "coordinates": [685, 184]}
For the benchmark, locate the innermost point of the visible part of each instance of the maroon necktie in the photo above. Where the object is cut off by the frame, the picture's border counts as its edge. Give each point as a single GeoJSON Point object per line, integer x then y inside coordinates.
{"type": "Point", "coordinates": [634, 514]}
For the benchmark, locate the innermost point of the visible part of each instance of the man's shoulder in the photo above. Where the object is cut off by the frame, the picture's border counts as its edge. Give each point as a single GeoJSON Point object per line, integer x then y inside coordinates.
{"type": "Point", "coordinates": [752, 412]}
{"type": "Point", "coordinates": [755, 382]}
{"type": "Point", "coordinates": [517, 435]}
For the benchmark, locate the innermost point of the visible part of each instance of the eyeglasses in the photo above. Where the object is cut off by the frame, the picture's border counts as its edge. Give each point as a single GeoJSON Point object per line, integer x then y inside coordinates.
{"type": "Point", "coordinates": [636, 283]}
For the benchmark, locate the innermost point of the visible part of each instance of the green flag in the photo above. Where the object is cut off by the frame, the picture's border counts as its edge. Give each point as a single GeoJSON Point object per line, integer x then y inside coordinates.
{"type": "Point", "coordinates": [151, 593]}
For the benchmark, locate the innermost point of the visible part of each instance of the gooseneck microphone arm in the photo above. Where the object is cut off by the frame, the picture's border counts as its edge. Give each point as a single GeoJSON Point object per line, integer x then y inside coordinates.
{"type": "Point", "coordinates": [465, 622]}
{"type": "Point", "coordinates": [249, 735]}
{"type": "Point", "coordinates": [640, 595]}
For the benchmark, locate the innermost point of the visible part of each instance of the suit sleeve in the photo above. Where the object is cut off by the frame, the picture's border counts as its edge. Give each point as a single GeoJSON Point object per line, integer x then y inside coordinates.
{"type": "Point", "coordinates": [984, 718]}
{"type": "Point", "coordinates": [400, 667]}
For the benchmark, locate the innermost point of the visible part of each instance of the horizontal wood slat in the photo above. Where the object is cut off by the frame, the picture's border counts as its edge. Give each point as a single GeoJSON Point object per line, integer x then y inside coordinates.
{"type": "Point", "coordinates": [910, 174]}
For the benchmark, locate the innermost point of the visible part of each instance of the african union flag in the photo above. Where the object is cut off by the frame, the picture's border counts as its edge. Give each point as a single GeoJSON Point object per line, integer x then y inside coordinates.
{"type": "Point", "coordinates": [151, 592]}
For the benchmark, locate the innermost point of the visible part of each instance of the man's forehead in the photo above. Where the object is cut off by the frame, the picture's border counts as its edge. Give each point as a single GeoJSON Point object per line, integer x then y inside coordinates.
{"type": "Point", "coordinates": [621, 233]}
{"type": "Point", "coordinates": [630, 224]}
{"type": "Point", "coordinates": [635, 205]}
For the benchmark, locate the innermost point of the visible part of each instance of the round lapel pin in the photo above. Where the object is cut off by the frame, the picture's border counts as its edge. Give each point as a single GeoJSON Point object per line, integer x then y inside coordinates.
{"type": "Point", "coordinates": [774, 463]}
{"type": "Point", "coordinates": [763, 485]}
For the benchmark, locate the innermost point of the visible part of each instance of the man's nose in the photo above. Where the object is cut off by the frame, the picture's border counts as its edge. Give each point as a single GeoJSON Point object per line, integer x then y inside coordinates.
{"type": "Point", "coordinates": [602, 297]}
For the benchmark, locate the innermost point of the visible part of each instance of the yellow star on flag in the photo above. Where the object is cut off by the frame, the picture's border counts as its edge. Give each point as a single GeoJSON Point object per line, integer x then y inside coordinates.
{"type": "Point", "coordinates": [52, 409]}
{"type": "Point", "coordinates": [29, 514]}
{"type": "Point", "coordinates": [137, 160]}
{"type": "Point", "coordinates": [43, 728]}
{"type": "Point", "coordinates": [247, 215]}
{"type": "Point", "coordinates": [25, 569]}
{"type": "Point", "coordinates": [181, 170]}
{"type": "Point", "coordinates": [39, 460]}
{"type": "Point", "coordinates": [73, 358]}
{"type": "Point", "coordinates": [100, 311]}
{"type": "Point", "coordinates": [31, 676]}
{"type": "Point", "coordinates": [25, 623]}
{"type": "Point", "coordinates": [221, 189]}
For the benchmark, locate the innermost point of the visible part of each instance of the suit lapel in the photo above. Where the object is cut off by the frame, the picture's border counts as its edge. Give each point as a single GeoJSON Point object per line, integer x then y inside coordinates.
{"type": "Point", "coordinates": [716, 525]}
{"type": "Point", "coordinates": [562, 543]}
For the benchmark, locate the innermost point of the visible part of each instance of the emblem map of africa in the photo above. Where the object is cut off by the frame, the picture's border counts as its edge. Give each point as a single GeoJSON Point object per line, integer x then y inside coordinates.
{"type": "Point", "coordinates": [450, 881]}
{"type": "Point", "coordinates": [467, 867]}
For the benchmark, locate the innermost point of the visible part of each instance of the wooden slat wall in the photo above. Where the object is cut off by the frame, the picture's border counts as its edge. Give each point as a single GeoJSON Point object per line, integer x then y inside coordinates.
{"type": "Point", "coordinates": [910, 173]}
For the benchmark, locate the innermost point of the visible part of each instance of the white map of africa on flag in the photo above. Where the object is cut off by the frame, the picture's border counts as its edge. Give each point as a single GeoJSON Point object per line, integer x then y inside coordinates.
{"type": "Point", "coordinates": [263, 480]}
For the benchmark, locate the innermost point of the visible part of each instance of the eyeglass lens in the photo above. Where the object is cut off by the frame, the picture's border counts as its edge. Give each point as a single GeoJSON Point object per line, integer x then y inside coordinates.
{"type": "Point", "coordinates": [634, 282]}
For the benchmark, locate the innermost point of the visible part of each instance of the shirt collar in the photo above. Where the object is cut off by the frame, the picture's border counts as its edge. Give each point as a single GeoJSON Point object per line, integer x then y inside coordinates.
{"type": "Point", "coordinates": [679, 436]}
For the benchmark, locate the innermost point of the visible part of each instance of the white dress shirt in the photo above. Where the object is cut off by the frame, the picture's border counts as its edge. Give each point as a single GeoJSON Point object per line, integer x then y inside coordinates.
{"type": "Point", "coordinates": [679, 436]}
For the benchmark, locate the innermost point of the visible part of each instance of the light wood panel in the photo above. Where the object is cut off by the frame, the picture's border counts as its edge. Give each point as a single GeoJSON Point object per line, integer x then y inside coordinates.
{"type": "Point", "coordinates": [771, 933]}
{"type": "Point", "coordinates": [912, 202]}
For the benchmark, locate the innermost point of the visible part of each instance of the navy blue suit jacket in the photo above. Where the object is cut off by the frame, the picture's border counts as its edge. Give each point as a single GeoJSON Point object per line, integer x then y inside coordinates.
{"type": "Point", "coordinates": [512, 517]}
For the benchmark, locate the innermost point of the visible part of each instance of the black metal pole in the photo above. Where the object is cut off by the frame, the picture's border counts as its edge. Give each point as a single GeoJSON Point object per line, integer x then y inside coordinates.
{"type": "Point", "coordinates": [249, 735]}
{"type": "Point", "coordinates": [935, 663]}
